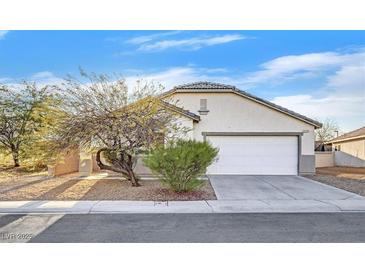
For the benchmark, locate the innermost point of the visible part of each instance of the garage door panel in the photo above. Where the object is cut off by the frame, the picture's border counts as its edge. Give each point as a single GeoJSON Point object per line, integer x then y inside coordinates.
{"type": "Point", "coordinates": [275, 155]}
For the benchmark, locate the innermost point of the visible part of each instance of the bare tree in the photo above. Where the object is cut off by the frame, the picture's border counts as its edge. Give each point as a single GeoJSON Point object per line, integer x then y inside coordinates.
{"type": "Point", "coordinates": [328, 131]}
{"type": "Point", "coordinates": [102, 115]}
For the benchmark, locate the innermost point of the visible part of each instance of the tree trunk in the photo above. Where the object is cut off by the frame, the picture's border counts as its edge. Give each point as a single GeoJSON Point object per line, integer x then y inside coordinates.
{"type": "Point", "coordinates": [129, 168]}
{"type": "Point", "coordinates": [123, 167]}
{"type": "Point", "coordinates": [133, 178]}
{"type": "Point", "coordinates": [15, 155]}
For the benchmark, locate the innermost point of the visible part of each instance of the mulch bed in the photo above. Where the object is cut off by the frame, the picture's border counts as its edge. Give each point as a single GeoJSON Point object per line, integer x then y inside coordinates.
{"type": "Point", "coordinates": [65, 188]}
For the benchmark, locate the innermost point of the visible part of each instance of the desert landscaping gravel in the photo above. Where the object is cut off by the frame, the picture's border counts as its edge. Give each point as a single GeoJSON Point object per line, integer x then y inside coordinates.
{"type": "Point", "coordinates": [71, 188]}
{"type": "Point", "coordinates": [347, 178]}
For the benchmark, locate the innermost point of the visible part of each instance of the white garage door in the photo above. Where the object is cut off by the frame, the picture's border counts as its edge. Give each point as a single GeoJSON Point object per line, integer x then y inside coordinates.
{"type": "Point", "coordinates": [270, 155]}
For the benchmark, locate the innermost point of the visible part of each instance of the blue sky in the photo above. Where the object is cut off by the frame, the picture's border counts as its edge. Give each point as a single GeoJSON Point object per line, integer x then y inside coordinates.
{"type": "Point", "coordinates": [320, 74]}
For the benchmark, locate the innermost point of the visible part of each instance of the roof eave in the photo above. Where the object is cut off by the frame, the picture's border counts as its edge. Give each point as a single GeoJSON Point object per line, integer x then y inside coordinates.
{"type": "Point", "coordinates": [345, 139]}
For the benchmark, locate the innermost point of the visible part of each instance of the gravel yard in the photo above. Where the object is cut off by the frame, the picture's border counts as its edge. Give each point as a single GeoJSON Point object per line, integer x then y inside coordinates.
{"type": "Point", "coordinates": [347, 178]}
{"type": "Point", "coordinates": [15, 174]}
{"type": "Point", "coordinates": [71, 188]}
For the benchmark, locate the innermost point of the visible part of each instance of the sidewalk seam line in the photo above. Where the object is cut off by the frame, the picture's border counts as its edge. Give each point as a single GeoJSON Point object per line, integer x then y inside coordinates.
{"type": "Point", "coordinates": [327, 203]}
{"type": "Point", "coordinates": [92, 207]}
{"type": "Point", "coordinates": [210, 206]}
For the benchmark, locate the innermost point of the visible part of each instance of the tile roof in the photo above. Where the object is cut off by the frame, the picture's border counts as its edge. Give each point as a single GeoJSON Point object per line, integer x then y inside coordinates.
{"type": "Point", "coordinates": [352, 134]}
{"type": "Point", "coordinates": [204, 85]}
{"type": "Point", "coordinates": [216, 87]}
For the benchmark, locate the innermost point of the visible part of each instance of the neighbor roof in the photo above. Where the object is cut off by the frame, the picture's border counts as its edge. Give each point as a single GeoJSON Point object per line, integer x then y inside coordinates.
{"type": "Point", "coordinates": [360, 132]}
{"type": "Point", "coordinates": [216, 87]}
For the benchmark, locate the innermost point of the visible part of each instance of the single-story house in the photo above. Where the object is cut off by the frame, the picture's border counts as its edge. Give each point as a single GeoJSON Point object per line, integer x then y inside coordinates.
{"type": "Point", "coordinates": [350, 148]}
{"type": "Point", "coordinates": [254, 136]}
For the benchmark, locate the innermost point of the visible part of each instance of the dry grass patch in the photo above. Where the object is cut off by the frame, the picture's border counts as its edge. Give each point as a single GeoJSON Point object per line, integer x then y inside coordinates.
{"type": "Point", "coordinates": [11, 174]}
{"type": "Point", "coordinates": [357, 173]}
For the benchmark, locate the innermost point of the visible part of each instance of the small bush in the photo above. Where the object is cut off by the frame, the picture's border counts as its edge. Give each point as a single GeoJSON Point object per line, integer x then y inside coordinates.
{"type": "Point", "coordinates": [180, 164]}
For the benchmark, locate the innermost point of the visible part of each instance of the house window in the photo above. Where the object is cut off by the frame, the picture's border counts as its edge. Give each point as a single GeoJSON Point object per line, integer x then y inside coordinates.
{"type": "Point", "coordinates": [203, 107]}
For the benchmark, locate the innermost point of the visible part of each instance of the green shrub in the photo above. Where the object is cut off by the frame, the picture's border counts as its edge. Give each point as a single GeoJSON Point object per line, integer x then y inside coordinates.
{"type": "Point", "coordinates": [180, 164]}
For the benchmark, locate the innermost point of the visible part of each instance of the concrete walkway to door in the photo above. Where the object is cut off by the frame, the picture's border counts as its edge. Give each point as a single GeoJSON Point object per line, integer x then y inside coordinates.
{"type": "Point", "coordinates": [274, 187]}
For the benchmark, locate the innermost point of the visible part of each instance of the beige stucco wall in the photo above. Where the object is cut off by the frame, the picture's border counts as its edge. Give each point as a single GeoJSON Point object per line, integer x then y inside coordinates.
{"type": "Point", "coordinates": [229, 112]}
{"type": "Point", "coordinates": [324, 158]}
{"type": "Point", "coordinates": [187, 124]}
{"type": "Point", "coordinates": [68, 163]}
{"type": "Point", "coordinates": [355, 148]}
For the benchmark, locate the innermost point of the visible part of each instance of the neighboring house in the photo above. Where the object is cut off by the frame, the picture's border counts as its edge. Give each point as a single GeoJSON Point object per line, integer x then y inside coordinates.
{"type": "Point", "coordinates": [350, 148]}
{"type": "Point", "coordinates": [254, 136]}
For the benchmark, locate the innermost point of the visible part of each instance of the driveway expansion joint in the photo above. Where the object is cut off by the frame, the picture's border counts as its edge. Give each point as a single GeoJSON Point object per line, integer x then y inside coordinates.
{"type": "Point", "coordinates": [277, 188]}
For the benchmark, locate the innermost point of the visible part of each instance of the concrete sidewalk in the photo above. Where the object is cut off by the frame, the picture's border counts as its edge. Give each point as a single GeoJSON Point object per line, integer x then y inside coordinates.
{"type": "Point", "coordinates": [211, 206]}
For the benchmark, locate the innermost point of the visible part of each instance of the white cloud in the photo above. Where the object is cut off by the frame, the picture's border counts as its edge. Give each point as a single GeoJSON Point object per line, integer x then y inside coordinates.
{"type": "Point", "coordinates": [180, 75]}
{"type": "Point", "coordinates": [348, 78]}
{"type": "Point", "coordinates": [194, 43]}
{"type": "Point", "coordinates": [332, 105]}
{"type": "Point", "coordinates": [4, 80]}
{"type": "Point", "coordinates": [42, 78]}
{"type": "Point", "coordinates": [292, 67]}
{"type": "Point", "coordinates": [46, 78]}
{"type": "Point", "coordinates": [3, 33]}
{"type": "Point", "coordinates": [42, 75]}
{"type": "Point", "coordinates": [147, 38]}
{"type": "Point", "coordinates": [348, 111]}
{"type": "Point", "coordinates": [342, 98]}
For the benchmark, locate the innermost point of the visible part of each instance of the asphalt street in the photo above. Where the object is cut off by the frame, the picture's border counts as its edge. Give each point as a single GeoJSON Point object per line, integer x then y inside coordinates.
{"type": "Point", "coordinates": [185, 228]}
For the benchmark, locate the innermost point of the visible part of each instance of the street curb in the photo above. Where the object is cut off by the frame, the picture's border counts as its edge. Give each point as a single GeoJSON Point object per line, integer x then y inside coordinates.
{"type": "Point", "coordinates": [205, 206]}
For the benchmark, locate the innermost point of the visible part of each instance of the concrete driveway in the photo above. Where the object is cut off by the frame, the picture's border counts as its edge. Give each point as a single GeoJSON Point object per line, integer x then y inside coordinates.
{"type": "Point", "coordinates": [274, 187]}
